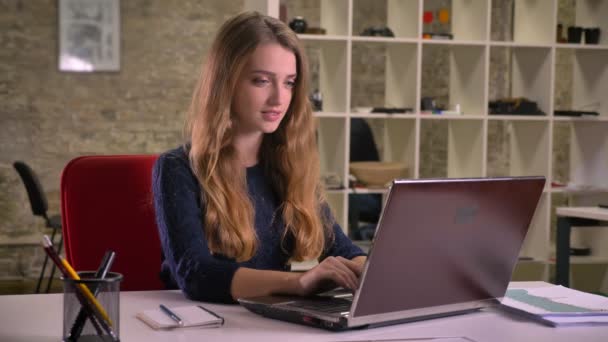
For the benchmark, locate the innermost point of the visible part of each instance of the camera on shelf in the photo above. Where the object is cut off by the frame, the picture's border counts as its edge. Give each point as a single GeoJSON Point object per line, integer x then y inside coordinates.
{"type": "Point", "coordinates": [381, 31]}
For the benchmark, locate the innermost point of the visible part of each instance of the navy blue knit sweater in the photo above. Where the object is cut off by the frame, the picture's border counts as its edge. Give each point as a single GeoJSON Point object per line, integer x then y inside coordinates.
{"type": "Point", "coordinates": [187, 262]}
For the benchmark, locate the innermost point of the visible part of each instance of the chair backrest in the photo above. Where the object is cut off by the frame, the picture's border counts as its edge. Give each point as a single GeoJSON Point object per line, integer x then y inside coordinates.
{"type": "Point", "coordinates": [362, 144]}
{"type": "Point", "coordinates": [106, 203]}
{"type": "Point", "coordinates": [33, 187]}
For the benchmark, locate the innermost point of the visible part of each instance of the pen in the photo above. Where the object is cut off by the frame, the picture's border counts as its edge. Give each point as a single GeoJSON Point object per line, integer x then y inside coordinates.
{"type": "Point", "coordinates": [171, 314]}
{"type": "Point", "coordinates": [212, 313]}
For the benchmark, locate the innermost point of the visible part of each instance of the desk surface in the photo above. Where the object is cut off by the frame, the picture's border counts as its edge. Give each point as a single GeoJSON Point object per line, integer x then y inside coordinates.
{"type": "Point", "coordinates": [594, 213]}
{"type": "Point", "coordinates": [37, 318]}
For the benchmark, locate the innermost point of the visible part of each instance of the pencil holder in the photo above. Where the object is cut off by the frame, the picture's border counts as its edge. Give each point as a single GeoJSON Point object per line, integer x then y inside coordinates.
{"type": "Point", "coordinates": [92, 316]}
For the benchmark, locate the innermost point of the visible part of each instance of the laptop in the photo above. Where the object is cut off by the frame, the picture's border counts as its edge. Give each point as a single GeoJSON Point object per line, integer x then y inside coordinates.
{"type": "Point", "coordinates": [442, 247]}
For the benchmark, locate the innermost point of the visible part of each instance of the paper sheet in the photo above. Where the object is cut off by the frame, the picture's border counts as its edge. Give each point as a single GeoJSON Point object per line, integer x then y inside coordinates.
{"type": "Point", "coordinates": [565, 295]}
{"type": "Point", "coordinates": [416, 339]}
{"type": "Point", "coordinates": [558, 305]}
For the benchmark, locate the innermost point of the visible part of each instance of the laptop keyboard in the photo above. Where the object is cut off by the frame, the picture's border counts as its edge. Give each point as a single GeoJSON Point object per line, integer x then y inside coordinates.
{"type": "Point", "coordinates": [330, 306]}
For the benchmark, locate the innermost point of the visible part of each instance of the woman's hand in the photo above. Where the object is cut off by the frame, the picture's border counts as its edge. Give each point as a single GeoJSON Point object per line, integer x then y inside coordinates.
{"type": "Point", "coordinates": [330, 273]}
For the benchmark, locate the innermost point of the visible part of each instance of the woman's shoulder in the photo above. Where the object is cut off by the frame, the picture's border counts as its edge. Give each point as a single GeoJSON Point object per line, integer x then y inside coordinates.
{"type": "Point", "coordinates": [174, 161]}
{"type": "Point", "coordinates": [178, 155]}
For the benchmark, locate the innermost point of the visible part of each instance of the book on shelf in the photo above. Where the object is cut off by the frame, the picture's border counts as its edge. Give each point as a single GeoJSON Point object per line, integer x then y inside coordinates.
{"type": "Point", "coordinates": [557, 305]}
{"type": "Point", "coordinates": [190, 315]}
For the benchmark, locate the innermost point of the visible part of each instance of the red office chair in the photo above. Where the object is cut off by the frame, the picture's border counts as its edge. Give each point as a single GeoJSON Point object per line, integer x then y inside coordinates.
{"type": "Point", "coordinates": [106, 203]}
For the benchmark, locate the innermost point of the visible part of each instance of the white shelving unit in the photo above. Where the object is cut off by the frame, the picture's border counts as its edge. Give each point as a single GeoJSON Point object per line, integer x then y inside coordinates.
{"type": "Point", "coordinates": [530, 140]}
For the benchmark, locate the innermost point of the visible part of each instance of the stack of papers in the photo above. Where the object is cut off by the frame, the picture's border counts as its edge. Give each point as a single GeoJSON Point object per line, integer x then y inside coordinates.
{"type": "Point", "coordinates": [558, 305]}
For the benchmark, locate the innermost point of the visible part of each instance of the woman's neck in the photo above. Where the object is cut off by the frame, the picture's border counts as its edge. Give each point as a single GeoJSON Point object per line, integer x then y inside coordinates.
{"type": "Point", "coordinates": [247, 147]}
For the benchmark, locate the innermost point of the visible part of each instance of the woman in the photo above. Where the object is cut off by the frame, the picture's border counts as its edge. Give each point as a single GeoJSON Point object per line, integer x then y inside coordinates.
{"type": "Point", "coordinates": [243, 199]}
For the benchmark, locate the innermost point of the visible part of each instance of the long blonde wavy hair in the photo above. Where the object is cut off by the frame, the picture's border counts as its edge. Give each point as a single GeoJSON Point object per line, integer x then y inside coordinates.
{"type": "Point", "coordinates": [289, 155]}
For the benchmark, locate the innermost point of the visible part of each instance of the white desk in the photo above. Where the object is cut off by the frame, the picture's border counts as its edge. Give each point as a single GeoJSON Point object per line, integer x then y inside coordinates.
{"type": "Point", "coordinates": [595, 213]}
{"type": "Point", "coordinates": [38, 318]}
{"type": "Point", "coordinates": [568, 217]}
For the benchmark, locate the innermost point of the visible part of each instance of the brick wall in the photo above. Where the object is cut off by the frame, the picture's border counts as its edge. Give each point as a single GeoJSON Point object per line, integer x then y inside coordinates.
{"type": "Point", "coordinates": [48, 117]}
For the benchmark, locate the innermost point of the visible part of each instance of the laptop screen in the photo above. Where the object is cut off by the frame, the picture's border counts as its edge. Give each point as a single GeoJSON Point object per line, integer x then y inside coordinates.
{"type": "Point", "coordinates": [442, 242]}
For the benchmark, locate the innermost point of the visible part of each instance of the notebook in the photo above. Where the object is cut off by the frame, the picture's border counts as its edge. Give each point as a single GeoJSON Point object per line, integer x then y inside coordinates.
{"type": "Point", "coordinates": [191, 316]}
{"type": "Point", "coordinates": [442, 247]}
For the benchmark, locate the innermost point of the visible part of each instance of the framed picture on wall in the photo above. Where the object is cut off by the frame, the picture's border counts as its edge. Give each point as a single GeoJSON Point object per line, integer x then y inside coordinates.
{"type": "Point", "coordinates": [89, 35]}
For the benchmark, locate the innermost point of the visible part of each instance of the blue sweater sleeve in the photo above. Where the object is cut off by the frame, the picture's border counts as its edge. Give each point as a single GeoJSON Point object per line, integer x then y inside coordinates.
{"type": "Point", "coordinates": [341, 245]}
{"type": "Point", "coordinates": [199, 274]}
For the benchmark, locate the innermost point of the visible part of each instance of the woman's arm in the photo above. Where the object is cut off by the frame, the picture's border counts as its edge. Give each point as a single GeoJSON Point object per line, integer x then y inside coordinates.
{"type": "Point", "coordinates": [341, 245]}
{"type": "Point", "coordinates": [199, 274]}
{"type": "Point", "coordinates": [334, 270]}
{"type": "Point", "coordinates": [360, 260]}
{"type": "Point", "coordinates": [330, 273]}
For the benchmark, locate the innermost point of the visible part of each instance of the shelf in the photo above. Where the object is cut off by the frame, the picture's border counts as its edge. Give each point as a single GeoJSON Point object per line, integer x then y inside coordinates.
{"type": "Point", "coordinates": [521, 44]}
{"type": "Point", "coordinates": [462, 152]}
{"type": "Point", "coordinates": [397, 62]}
{"type": "Point", "coordinates": [581, 46]}
{"type": "Point", "coordinates": [395, 140]}
{"type": "Point", "coordinates": [583, 160]}
{"type": "Point", "coordinates": [331, 138]}
{"type": "Point", "coordinates": [467, 19]}
{"type": "Point", "coordinates": [389, 40]}
{"type": "Point", "coordinates": [410, 116]}
{"type": "Point", "coordinates": [368, 191]}
{"type": "Point", "coordinates": [588, 146]}
{"type": "Point", "coordinates": [590, 13]}
{"type": "Point", "coordinates": [398, 15]}
{"type": "Point", "coordinates": [536, 243]}
{"type": "Point", "coordinates": [322, 37]}
{"type": "Point", "coordinates": [574, 260]}
{"type": "Point", "coordinates": [500, 50]}
{"type": "Point", "coordinates": [499, 117]}
{"type": "Point", "coordinates": [588, 84]}
{"type": "Point", "coordinates": [534, 21]}
{"type": "Point", "coordinates": [328, 61]}
{"type": "Point", "coordinates": [329, 115]}
{"type": "Point", "coordinates": [581, 191]}
{"type": "Point", "coordinates": [336, 191]}
{"type": "Point", "coordinates": [429, 116]}
{"type": "Point", "coordinates": [525, 145]}
{"type": "Point", "coordinates": [402, 18]}
{"type": "Point", "coordinates": [587, 260]}
{"type": "Point", "coordinates": [528, 260]}
{"type": "Point", "coordinates": [465, 145]}
{"type": "Point", "coordinates": [529, 70]}
{"type": "Point", "coordinates": [603, 118]}
{"type": "Point", "coordinates": [452, 42]}
{"type": "Point", "coordinates": [463, 82]}
{"type": "Point", "coordinates": [332, 15]}
{"type": "Point", "coordinates": [337, 203]}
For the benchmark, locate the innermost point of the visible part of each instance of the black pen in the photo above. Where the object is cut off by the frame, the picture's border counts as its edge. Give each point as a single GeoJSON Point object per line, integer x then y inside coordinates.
{"type": "Point", "coordinates": [171, 314]}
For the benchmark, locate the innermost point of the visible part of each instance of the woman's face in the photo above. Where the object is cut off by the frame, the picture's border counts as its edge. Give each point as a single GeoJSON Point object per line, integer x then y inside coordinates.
{"type": "Point", "coordinates": [264, 89]}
